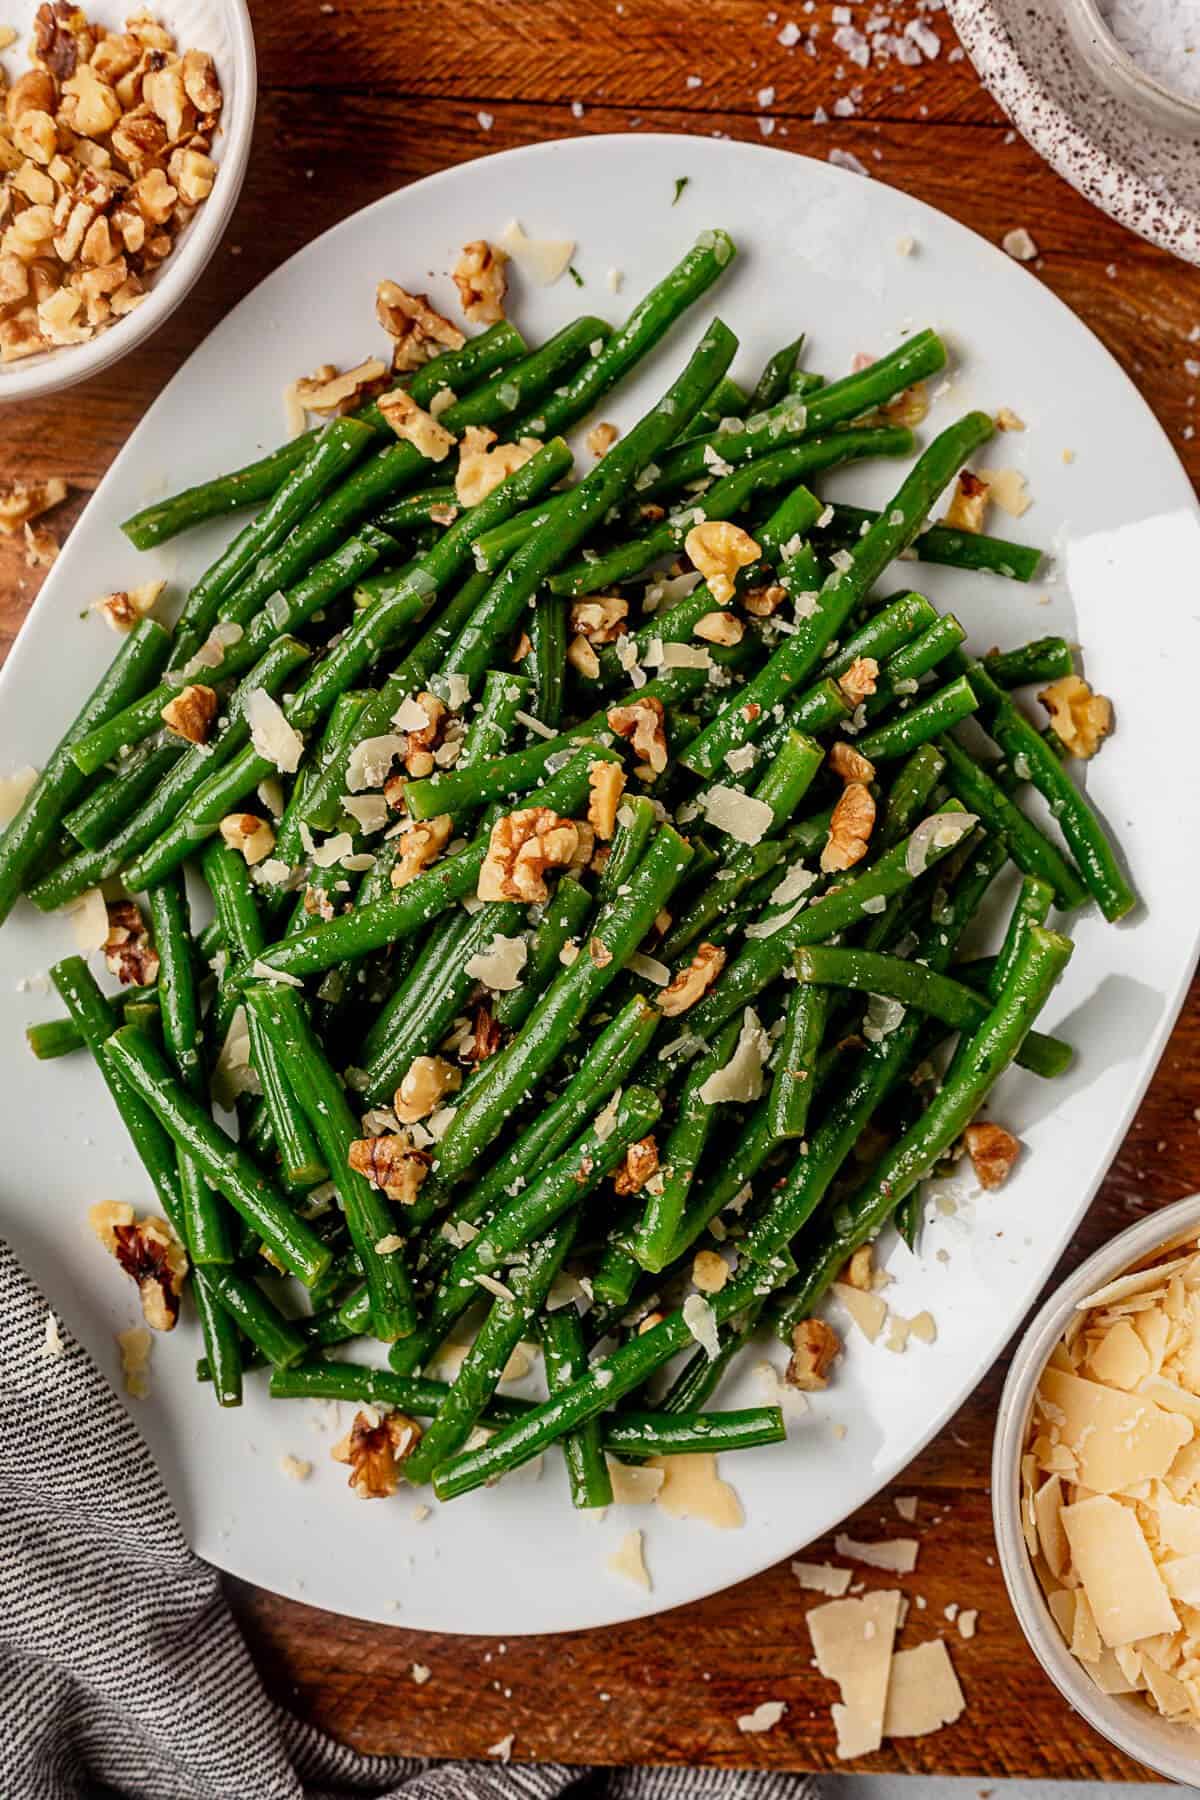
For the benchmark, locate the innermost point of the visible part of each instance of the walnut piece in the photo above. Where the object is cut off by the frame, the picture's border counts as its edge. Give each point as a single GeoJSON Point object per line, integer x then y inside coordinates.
{"type": "Point", "coordinates": [850, 828]}
{"type": "Point", "coordinates": [327, 393]}
{"type": "Point", "coordinates": [606, 782]}
{"type": "Point", "coordinates": [254, 837]}
{"type": "Point", "coordinates": [375, 1451]}
{"type": "Point", "coordinates": [393, 1164]}
{"type": "Point", "coordinates": [523, 845]}
{"type": "Point", "coordinates": [479, 276]}
{"type": "Point", "coordinates": [24, 502]}
{"type": "Point", "coordinates": [128, 951]}
{"type": "Point", "coordinates": [483, 463]}
{"type": "Point", "coordinates": [764, 602]}
{"type": "Point", "coordinates": [583, 658]}
{"type": "Point", "coordinates": [710, 1272]}
{"type": "Point", "coordinates": [122, 610]}
{"type": "Point", "coordinates": [485, 1039]}
{"type": "Point", "coordinates": [641, 1162]}
{"type": "Point", "coordinates": [691, 983]}
{"type": "Point", "coordinates": [423, 739]}
{"type": "Point", "coordinates": [149, 1252]}
{"type": "Point", "coordinates": [993, 1151]}
{"type": "Point", "coordinates": [849, 764]}
{"type": "Point", "coordinates": [415, 426]}
{"type": "Point", "coordinates": [425, 1081]}
{"type": "Point", "coordinates": [642, 724]}
{"type": "Point", "coordinates": [721, 628]}
{"type": "Point", "coordinates": [191, 713]}
{"type": "Point", "coordinates": [420, 845]}
{"type": "Point", "coordinates": [601, 438]}
{"type": "Point", "coordinates": [41, 547]}
{"type": "Point", "coordinates": [815, 1348]}
{"type": "Point", "coordinates": [418, 331]}
{"type": "Point", "coordinates": [601, 618]}
{"type": "Point", "coordinates": [719, 549]}
{"type": "Point", "coordinates": [859, 1269]}
{"type": "Point", "coordinates": [860, 679]}
{"type": "Point", "coordinates": [1081, 718]}
{"type": "Point", "coordinates": [967, 510]}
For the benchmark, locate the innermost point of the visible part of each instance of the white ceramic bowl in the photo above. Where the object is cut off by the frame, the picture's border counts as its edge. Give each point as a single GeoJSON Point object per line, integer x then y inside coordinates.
{"type": "Point", "coordinates": [1169, 108]}
{"type": "Point", "coordinates": [1124, 1719]}
{"type": "Point", "coordinates": [222, 27]}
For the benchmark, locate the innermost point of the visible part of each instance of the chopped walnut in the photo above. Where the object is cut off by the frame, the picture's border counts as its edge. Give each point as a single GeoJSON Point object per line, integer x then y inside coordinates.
{"type": "Point", "coordinates": [849, 764]}
{"type": "Point", "coordinates": [764, 602]}
{"type": "Point", "coordinates": [524, 647]}
{"type": "Point", "coordinates": [993, 1151]}
{"type": "Point", "coordinates": [425, 1082]}
{"type": "Point", "coordinates": [129, 953]}
{"type": "Point", "coordinates": [583, 658]}
{"type": "Point", "coordinates": [247, 833]}
{"type": "Point", "coordinates": [1008, 420]}
{"type": "Point", "coordinates": [967, 510]}
{"type": "Point", "coordinates": [721, 628]}
{"type": "Point", "coordinates": [860, 679]}
{"type": "Point", "coordinates": [710, 1272]}
{"type": "Point", "coordinates": [122, 610]}
{"type": "Point", "coordinates": [200, 81]}
{"type": "Point", "coordinates": [394, 1164]}
{"type": "Point", "coordinates": [909, 407]}
{"type": "Point", "coordinates": [191, 713]}
{"type": "Point", "coordinates": [523, 845]}
{"type": "Point", "coordinates": [719, 549]}
{"type": "Point", "coordinates": [481, 281]}
{"type": "Point", "coordinates": [420, 845]}
{"type": "Point", "coordinates": [606, 782]}
{"type": "Point", "coordinates": [641, 1162]}
{"type": "Point", "coordinates": [599, 952]}
{"type": "Point", "coordinates": [601, 618]}
{"type": "Point", "coordinates": [149, 1252]}
{"type": "Point", "coordinates": [601, 438]}
{"type": "Point", "coordinates": [24, 502]}
{"type": "Point", "coordinates": [1081, 718]}
{"type": "Point", "coordinates": [585, 849]}
{"type": "Point", "coordinates": [642, 724]}
{"type": "Point", "coordinates": [850, 828]}
{"type": "Point", "coordinates": [375, 1451]}
{"type": "Point", "coordinates": [691, 983]}
{"type": "Point", "coordinates": [415, 426]}
{"type": "Point", "coordinates": [483, 463]}
{"type": "Point", "coordinates": [41, 547]}
{"type": "Point", "coordinates": [418, 330]}
{"type": "Point", "coordinates": [859, 1270]}
{"type": "Point", "coordinates": [815, 1348]}
{"type": "Point", "coordinates": [327, 393]}
{"type": "Point", "coordinates": [485, 1039]}
{"type": "Point", "coordinates": [423, 739]}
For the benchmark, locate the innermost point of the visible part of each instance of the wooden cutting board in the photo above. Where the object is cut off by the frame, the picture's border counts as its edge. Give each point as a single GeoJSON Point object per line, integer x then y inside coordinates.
{"type": "Point", "coordinates": [360, 98]}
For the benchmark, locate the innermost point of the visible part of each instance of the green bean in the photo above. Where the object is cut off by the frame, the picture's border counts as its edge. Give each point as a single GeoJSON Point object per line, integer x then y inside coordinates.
{"type": "Point", "coordinates": [514, 389]}
{"type": "Point", "coordinates": [745, 715]}
{"type": "Point", "coordinates": [52, 1038]}
{"type": "Point", "coordinates": [504, 696]}
{"type": "Point", "coordinates": [732, 1178]}
{"type": "Point", "coordinates": [898, 623]}
{"type": "Point", "coordinates": [794, 1079]}
{"type": "Point", "coordinates": [514, 1071]}
{"type": "Point", "coordinates": [909, 794]}
{"type": "Point", "coordinates": [206, 1226]}
{"type": "Point", "coordinates": [1042, 659]}
{"type": "Point", "coordinates": [192, 773]}
{"type": "Point", "coordinates": [585, 506]}
{"type": "Point", "coordinates": [548, 636]}
{"type": "Point", "coordinates": [636, 823]}
{"type": "Point", "coordinates": [726, 497]}
{"type": "Point", "coordinates": [902, 734]}
{"type": "Point", "coordinates": [982, 1059]}
{"type": "Point", "coordinates": [772, 384]}
{"type": "Point", "coordinates": [943, 544]}
{"type": "Point", "coordinates": [665, 1201]}
{"type": "Point", "coordinates": [368, 1215]}
{"type": "Point", "coordinates": [1030, 849]}
{"type": "Point", "coordinates": [260, 480]}
{"type": "Point", "coordinates": [322, 1380]}
{"type": "Point", "coordinates": [565, 1356]}
{"type": "Point", "coordinates": [289, 838]}
{"type": "Point", "coordinates": [726, 401]}
{"type": "Point", "coordinates": [31, 832]}
{"type": "Point", "coordinates": [647, 323]}
{"type": "Point", "coordinates": [105, 809]}
{"type": "Point", "coordinates": [419, 508]}
{"type": "Point", "coordinates": [559, 925]}
{"type": "Point", "coordinates": [501, 1331]}
{"type": "Point", "coordinates": [1026, 749]}
{"type": "Point", "coordinates": [1031, 907]}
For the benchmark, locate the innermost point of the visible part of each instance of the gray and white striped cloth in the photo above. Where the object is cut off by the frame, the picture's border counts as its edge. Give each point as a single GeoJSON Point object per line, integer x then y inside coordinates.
{"type": "Point", "coordinates": [122, 1671]}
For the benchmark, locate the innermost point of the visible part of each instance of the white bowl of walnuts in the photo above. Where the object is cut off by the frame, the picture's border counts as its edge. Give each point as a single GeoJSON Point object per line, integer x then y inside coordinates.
{"type": "Point", "coordinates": [124, 137]}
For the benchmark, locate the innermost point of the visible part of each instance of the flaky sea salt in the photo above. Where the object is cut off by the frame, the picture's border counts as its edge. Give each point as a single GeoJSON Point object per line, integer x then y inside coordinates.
{"type": "Point", "coordinates": [1162, 37]}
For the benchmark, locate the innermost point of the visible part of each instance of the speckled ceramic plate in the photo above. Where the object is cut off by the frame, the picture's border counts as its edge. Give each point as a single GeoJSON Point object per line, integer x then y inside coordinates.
{"type": "Point", "coordinates": [817, 246]}
{"type": "Point", "coordinates": [1142, 176]}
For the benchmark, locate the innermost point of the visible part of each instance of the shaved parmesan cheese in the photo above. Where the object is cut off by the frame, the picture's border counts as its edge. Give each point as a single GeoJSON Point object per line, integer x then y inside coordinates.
{"type": "Point", "coordinates": [868, 1311]}
{"type": "Point", "coordinates": [1118, 1438]}
{"type": "Point", "coordinates": [498, 966]}
{"type": "Point", "coordinates": [649, 968]}
{"type": "Point", "coordinates": [692, 1489]}
{"type": "Point", "coordinates": [701, 1322]}
{"type": "Point", "coordinates": [897, 1555]}
{"type": "Point", "coordinates": [742, 1077]}
{"type": "Point", "coordinates": [633, 1485]}
{"type": "Point", "coordinates": [371, 761]}
{"type": "Point", "coordinates": [923, 1691]}
{"type": "Point", "coordinates": [234, 1074]}
{"type": "Point", "coordinates": [1007, 488]}
{"type": "Point", "coordinates": [275, 740]}
{"type": "Point", "coordinates": [822, 1578]}
{"type": "Point", "coordinates": [410, 715]}
{"type": "Point", "coordinates": [740, 816]}
{"type": "Point", "coordinates": [1113, 1561]}
{"type": "Point", "coordinates": [1047, 1510]}
{"type": "Point", "coordinates": [502, 1751]}
{"type": "Point", "coordinates": [766, 1715]}
{"type": "Point", "coordinates": [331, 851]}
{"type": "Point", "coordinates": [796, 882]}
{"type": "Point", "coordinates": [1120, 1359]}
{"type": "Point", "coordinates": [629, 1561]}
{"type": "Point", "coordinates": [966, 1623]}
{"type": "Point", "coordinates": [369, 811]}
{"type": "Point", "coordinates": [264, 972]}
{"type": "Point", "coordinates": [544, 260]}
{"type": "Point", "coordinates": [15, 789]}
{"type": "Point", "coordinates": [853, 1640]}
{"type": "Point", "coordinates": [906, 1506]}
{"type": "Point", "coordinates": [89, 921]}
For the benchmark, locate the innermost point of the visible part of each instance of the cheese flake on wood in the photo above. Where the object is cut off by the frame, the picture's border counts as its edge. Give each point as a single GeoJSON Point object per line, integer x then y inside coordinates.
{"type": "Point", "coordinates": [1113, 1561]}
{"type": "Point", "coordinates": [923, 1691]}
{"type": "Point", "coordinates": [897, 1555]}
{"type": "Point", "coordinates": [822, 1578]}
{"type": "Point", "coordinates": [852, 1640]}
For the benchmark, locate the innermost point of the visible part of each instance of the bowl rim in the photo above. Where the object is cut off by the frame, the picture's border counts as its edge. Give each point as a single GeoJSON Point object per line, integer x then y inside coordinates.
{"type": "Point", "coordinates": [66, 366]}
{"type": "Point", "coordinates": [1124, 1721]}
{"type": "Point", "coordinates": [1098, 44]}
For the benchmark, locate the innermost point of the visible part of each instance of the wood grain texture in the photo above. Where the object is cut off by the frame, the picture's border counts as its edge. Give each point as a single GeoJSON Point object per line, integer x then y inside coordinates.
{"type": "Point", "coordinates": [357, 99]}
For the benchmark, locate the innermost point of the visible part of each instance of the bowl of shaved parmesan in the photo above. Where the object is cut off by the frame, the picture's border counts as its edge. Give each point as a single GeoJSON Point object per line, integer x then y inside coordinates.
{"type": "Point", "coordinates": [1096, 1489]}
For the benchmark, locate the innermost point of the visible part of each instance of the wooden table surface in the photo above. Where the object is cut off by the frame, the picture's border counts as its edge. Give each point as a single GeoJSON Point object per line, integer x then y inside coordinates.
{"type": "Point", "coordinates": [356, 99]}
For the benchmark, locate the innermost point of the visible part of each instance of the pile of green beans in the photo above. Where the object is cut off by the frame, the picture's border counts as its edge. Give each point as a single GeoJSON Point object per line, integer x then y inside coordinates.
{"type": "Point", "coordinates": [559, 962]}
